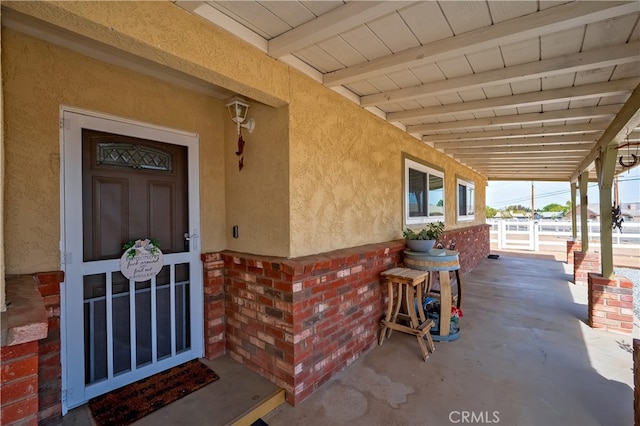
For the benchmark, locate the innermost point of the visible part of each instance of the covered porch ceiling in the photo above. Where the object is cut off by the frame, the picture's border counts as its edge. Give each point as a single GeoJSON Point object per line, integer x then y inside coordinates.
{"type": "Point", "coordinates": [516, 90]}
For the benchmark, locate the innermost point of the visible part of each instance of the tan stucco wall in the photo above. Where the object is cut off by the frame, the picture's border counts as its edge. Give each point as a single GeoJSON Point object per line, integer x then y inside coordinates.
{"type": "Point", "coordinates": [347, 173]}
{"type": "Point", "coordinates": [39, 77]}
{"type": "Point", "coordinates": [167, 34]}
{"type": "Point", "coordinates": [258, 195]}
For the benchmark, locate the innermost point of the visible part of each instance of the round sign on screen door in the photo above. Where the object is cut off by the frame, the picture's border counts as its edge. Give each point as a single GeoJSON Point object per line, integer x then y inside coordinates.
{"type": "Point", "coordinates": [141, 260]}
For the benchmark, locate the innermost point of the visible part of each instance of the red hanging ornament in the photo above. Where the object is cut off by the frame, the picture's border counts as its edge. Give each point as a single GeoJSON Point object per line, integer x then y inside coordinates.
{"type": "Point", "coordinates": [240, 145]}
{"type": "Point", "coordinates": [240, 150]}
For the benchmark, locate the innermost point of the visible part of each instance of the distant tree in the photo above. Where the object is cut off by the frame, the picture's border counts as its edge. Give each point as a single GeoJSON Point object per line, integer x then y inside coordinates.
{"type": "Point", "coordinates": [440, 203]}
{"type": "Point", "coordinates": [490, 212]}
{"type": "Point", "coordinates": [518, 208]}
{"type": "Point", "coordinates": [553, 207]}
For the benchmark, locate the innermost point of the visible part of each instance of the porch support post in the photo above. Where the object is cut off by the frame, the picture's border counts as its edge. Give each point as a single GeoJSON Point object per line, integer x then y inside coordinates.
{"type": "Point", "coordinates": [605, 168]}
{"type": "Point", "coordinates": [584, 212]}
{"type": "Point", "coordinates": [574, 221]}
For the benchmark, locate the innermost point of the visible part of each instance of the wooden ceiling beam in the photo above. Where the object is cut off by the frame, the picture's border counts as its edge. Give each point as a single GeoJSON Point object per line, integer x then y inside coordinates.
{"type": "Point", "coordinates": [521, 160]}
{"type": "Point", "coordinates": [514, 30]}
{"type": "Point", "coordinates": [597, 126]}
{"type": "Point", "coordinates": [605, 111]}
{"type": "Point", "coordinates": [561, 171]}
{"type": "Point", "coordinates": [543, 166]}
{"type": "Point", "coordinates": [552, 177]}
{"type": "Point", "coordinates": [559, 149]}
{"type": "Point", "coordinates": [516, 156]}
{"type": "Point", "coordinates": [533, 141]}
{"type": "Point", "coordinates": [523, 166]}
{"type": "Point", "coordinates": [583, 61]}
{"type": "Point", "coordinates": [336, 21]}
{"type": "Point", "coordinates": [532, 170]}
{"type": "Point", "coordinates": [488, 170]}
{"type": "Point", "coordinates": [584, 91]}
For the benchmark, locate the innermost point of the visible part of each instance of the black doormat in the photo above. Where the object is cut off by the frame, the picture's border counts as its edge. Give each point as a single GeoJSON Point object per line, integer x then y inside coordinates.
{"type": "Point", "coordinates": [132, 402]}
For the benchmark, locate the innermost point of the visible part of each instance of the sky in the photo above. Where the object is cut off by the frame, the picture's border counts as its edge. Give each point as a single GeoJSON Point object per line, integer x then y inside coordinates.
{"type": "Point", "coordinates": [501, 194]}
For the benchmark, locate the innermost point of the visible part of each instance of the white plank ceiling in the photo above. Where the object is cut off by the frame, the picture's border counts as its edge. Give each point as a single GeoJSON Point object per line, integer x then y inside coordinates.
{"type": "Point", "coordinates": [513, 89]}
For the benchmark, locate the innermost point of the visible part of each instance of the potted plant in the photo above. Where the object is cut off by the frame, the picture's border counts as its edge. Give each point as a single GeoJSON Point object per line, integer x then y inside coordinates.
{"type": "Point", "coordinates": [424, 239]}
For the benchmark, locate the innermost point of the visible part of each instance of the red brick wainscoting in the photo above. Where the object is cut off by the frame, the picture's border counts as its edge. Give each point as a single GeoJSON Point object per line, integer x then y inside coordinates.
{"type": "Point", "coordinates": [473, 245]}
{"type": "Point", "coordinates": [298, 322]}
{"type": "Point", "coordinates": [19, 380]}
{"type": "Point", "coordinates": [214, 310]}
{"type": "Point", "coordinates": [611, 303]}
{"type": "Point", "coordinates": [583, 264]}
{"type": "Point", "coordinates": [24, 325]}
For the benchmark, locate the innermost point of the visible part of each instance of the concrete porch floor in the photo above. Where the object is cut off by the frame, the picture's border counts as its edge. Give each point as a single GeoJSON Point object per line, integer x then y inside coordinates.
{"type": "Point", "coordinates": [525, 356]}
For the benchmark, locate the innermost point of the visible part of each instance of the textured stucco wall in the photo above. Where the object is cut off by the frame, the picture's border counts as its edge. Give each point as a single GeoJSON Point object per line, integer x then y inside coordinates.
{"type": "Point", "coordinates": [347, 173]}
{"type": "Point", "coordinates": [258, 195]}
{"type": "Point", "coordinates": [38, 77]}
{"type": "Point", "coordinates": [167, 34]}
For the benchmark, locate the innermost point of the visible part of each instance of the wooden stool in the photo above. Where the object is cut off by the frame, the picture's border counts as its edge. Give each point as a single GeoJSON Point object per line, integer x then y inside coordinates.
{"type": "Point", "coordinates": [409, 285]}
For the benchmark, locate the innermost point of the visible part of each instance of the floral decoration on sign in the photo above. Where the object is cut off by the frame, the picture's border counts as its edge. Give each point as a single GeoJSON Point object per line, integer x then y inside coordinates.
{"type": "Point", "coordinates": [137, 247]}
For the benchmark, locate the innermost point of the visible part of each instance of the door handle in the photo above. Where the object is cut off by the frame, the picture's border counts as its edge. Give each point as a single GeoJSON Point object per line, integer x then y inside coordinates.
{"type": "Point", "coordinates": [189, 237]}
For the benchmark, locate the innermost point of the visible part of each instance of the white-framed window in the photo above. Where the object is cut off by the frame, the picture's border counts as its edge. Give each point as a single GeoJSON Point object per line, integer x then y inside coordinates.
{"type": "Point", "coordinates": [466, 200]}
{"type": "Point", "coordinates": [423, 194]}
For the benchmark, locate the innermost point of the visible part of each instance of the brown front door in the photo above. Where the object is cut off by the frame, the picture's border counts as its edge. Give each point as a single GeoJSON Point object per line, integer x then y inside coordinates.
{"type": "Point", "coordinates": [132, 188]}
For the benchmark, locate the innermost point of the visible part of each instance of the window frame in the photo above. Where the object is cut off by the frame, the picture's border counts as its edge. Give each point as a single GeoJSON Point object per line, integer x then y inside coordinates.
{"type": "Point", "coordinates": [468, 185]}
{"type": "Point", "coordinates": [428, 170]}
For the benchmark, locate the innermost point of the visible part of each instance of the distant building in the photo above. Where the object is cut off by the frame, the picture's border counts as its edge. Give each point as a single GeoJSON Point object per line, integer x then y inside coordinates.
{"type": "Point", "coordinates": [630, 212]}
{"type": "Point", "coordinates": [591, 214]}
{"type": "Point", "coordinates": [549, 215]}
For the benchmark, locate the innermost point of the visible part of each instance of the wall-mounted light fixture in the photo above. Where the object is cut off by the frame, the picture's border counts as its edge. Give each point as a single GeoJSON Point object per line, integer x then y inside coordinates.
{"type": "Point", "coordinates": [238, 109]}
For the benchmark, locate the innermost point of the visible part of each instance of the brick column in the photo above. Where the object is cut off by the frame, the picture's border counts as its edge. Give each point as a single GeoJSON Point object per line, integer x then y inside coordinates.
{"type": "Point", "coordinates": [23, 324]}
{"type": "Point", "coordinates": [611, 303]}
{"type": "Point", "coordinates": [49, 362]}
{"type": "Point", "coordinates": [19, 380]}
{"type": "Point", "coordinates": [214, 311]}
{"type": "Point", "coordinates": [572, 246]}
{"type": "Point", "coordinates": [583, 263]}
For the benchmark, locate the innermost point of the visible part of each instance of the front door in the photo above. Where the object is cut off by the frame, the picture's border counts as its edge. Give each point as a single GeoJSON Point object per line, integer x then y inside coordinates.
{"type": "Point", "coordinates": [125, 181]}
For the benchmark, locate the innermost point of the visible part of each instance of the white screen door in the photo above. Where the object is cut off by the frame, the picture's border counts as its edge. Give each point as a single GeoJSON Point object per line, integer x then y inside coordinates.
{"type": "Point", "coordinates": [123, 181]}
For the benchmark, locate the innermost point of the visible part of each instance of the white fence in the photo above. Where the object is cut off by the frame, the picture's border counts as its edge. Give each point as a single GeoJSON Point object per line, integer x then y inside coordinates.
{"type": "Point", "coordinates": [530, 235]}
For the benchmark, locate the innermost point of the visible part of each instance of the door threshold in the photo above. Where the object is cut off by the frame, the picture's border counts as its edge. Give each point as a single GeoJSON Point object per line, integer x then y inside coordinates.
{"type": "Point", "coordinates": [260, 410]}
